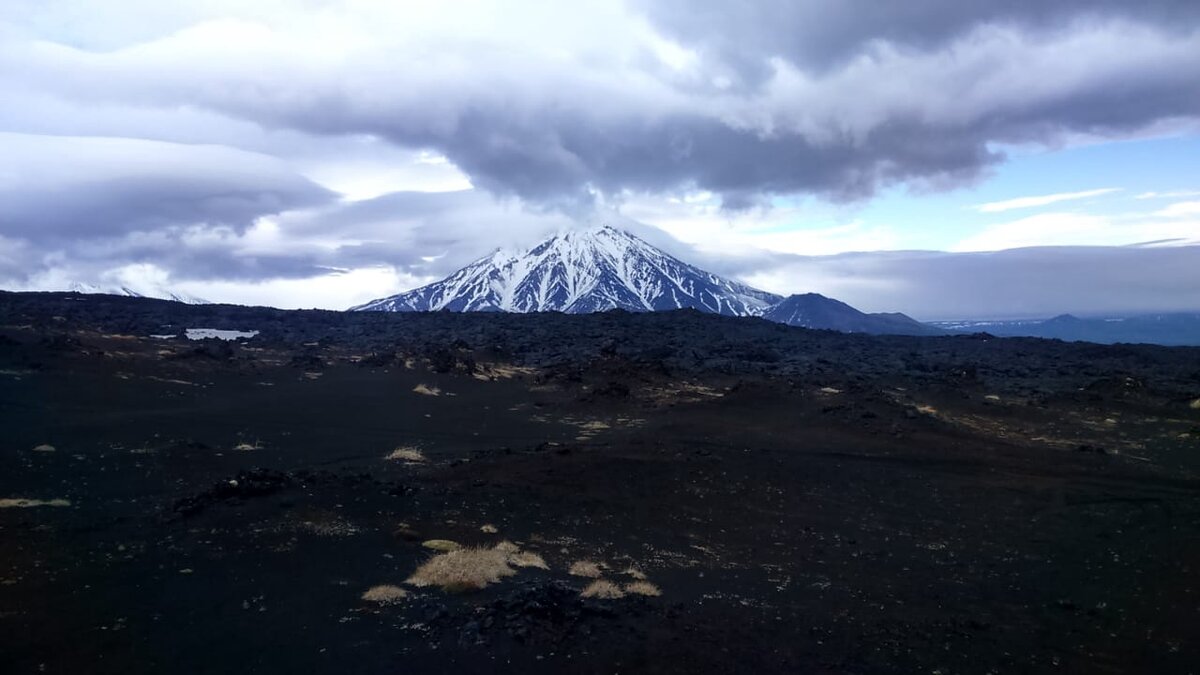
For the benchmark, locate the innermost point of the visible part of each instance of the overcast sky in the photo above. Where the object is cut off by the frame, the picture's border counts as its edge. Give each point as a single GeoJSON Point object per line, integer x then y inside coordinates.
{"type": "Point", "coordinates": [900, 156]}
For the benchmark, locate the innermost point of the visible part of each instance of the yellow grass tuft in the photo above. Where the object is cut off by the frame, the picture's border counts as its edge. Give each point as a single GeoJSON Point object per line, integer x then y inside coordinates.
{"type": "Point", "coordinates": [1196, 404]}
{"type": "Point", "coordinates": [634, 572]}
{"type": "Point", "coordinates": [507, 546]}
{"type": "Point", "coordinates": [426, 390]}
{"type": "Point", "coordinates": [643, 588]}
{"type": "Point", "coordinates": [22, 503]}
{"type": "Point", "coordinates": [443, 545]}
{"type": "Point", "coordinates": [584, 568]}
{"type": "Point", "coordinates": [464, 569]}
{"type": "Point", "coordinates": [488, 529]}
{"type": "Point", "coordinates": [604, 590]}
{"type": "Point", "coordinates": [406, 453]}
{"type": "Point", "coordinates": [385, 594]}
{"type": "Point", "coordinates": [527, 559]}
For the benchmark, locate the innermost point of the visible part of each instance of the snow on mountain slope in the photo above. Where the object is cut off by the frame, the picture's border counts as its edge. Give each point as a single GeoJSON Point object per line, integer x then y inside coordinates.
{"type": "Point", "coordinates": [155, 292]}
{"type": "Point", "coordinates": [581, 271]}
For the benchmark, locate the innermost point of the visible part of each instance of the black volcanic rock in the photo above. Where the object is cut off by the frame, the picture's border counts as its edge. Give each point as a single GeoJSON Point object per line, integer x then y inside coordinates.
{"type": "Point", "coordinates": [799, 500]}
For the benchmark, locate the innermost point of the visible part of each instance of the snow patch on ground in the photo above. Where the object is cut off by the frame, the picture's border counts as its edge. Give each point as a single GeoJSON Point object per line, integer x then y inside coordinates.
{"type": "Point", "coordinates": [205, 333]}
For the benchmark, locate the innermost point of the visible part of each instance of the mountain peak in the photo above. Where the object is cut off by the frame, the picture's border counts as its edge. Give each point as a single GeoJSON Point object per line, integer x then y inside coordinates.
{"type": "Point", "coordinates": [588, 269]}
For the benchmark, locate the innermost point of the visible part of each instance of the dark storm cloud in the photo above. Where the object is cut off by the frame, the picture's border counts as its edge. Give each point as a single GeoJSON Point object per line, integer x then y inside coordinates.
{"type": "Point", "coordinates": [694, 150]}
{"type": "Point", "coordinates": [760, 98]}
{"type": "Point", "coordinates": [821, 34]}
{"type": "Point", "coordinates": [935, 134]}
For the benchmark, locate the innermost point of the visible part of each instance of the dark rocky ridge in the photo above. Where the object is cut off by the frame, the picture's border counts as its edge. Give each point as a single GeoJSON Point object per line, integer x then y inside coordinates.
{"type": "Point", "coordinates": [813, 310]}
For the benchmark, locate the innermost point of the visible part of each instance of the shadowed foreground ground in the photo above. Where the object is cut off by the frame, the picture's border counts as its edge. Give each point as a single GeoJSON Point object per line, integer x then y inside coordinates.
{"type": "Point", "coordinates": [804, 501]}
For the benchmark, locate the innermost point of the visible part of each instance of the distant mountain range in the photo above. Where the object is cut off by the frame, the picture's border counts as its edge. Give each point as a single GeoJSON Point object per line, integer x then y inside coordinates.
{"type": "Point", "coordinates": [156, 292]}
{"type": "Point", "coordinates": [812, 310]}
{"type": "Point", "coordinates": [1161, 329]}
{"type": "Point", "coordinates": [603, 268]}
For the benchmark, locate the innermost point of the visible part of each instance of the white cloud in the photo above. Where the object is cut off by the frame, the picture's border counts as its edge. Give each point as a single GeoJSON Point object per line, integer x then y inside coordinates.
{"type": "Point", "coordinates": [1168, 195]}
{"type": "Point", "coordinates": [384, 170]}
{"type": "Point", "coordinates": [336, 290]}
{"type": "Point", "coordinates": [1180, 210]}
{"type": "Point", "coordinates": [1040, 200]}
{"type": "Point", "coordinates": [1079, 229]}
{"type": "Point", "coordinates": [697, 219]}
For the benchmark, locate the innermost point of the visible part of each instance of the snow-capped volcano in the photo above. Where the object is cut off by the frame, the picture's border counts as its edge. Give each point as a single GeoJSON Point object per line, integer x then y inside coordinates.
{"type": "Point", "coordinates": [580, 271]}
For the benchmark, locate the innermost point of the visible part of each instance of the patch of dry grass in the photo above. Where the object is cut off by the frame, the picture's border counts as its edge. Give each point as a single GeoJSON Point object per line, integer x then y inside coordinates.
{"type": "Point", "coordinates": [1195, 405]}
{"type": "Point", "coordinates": [488, 529]}
{"type": "Point", "coordinates": [46, 447]}
{"type": "Point", "coordinates": [22, 503]}
{"type": "Point", "coordinates": [443, 545]}
{"type": "Point", "coordinates": [247, 447]}
{"type": "Point", "coordinates": [507, 546]}
{"type": "Point", "coordinates": [519, 558]}
{"type": "Point", "coordinates": [635, 573]}
{"type": "Point", "coordinates": [603, 590]}
{"type": "Point", "coordinates": [464, 569]}
{"type": "Point", "coordinates": [527, 559]}
{"type": "Point", "coordinates": [385, 594]}
{"type": "Point", "coordinates": [473, 567]}
{"type": "Point", "coordinates": [426, 390]}
{"type": "Point", "coordinates": [406, 453]}
{"type": "Point", "coordinates": [643, 588]}
{"type": "Point", "coordinates": [496, 371]}
{"type": "Point", "coordinates": [584, 568]}
{"type": "Point", "coordinates": [683, 392]}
